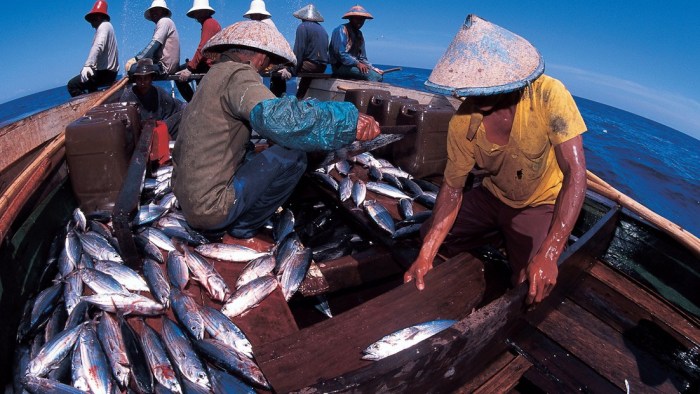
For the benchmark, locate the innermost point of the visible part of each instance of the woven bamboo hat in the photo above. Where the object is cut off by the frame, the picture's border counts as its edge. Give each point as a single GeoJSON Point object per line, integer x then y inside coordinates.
{"type": "Point", "coordinates": [308, 13]}
{"type": "Point", "coordinates": [358, 10]}
{"type": "Point", "coordinates": [157, 4]}
{"type": "Point", "coordinates": [485, 59]}
{"type": "Point", "coordinates": [254, 35]}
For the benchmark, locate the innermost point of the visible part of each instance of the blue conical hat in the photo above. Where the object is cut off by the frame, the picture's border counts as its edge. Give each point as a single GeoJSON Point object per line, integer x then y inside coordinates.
{"type": "Point", "coordinates": [485, 59]}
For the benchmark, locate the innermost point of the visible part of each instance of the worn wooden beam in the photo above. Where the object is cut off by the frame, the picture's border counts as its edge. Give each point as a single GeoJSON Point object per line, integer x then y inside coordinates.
{"type": "Point", "coordinates": [487, 373]}
{"type": "Point", "coordinates": [333, 347]}
{"type": "Point", "coordinates": [507, 378]}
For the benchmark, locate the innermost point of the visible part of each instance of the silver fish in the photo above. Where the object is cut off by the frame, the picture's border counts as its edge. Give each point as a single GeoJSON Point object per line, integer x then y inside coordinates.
{"type": "Point", "coordinates": [261, 266]}
{"type": "Point", "coordinates": [386, 190]}
{"type": "Point", "coordinates": [158, 361]}
{"type": "Point", "coordinates": [79, 219]}
{"type": "Point", "coordinates": [232, 361]}
{"type": "Point", "coordinates": [284, 251]}
{"type": "Point", "coordinates": [359, 191]}
{"type": "Point", "coordinates": [404, 338]}
{"type": "Point", "coordinates": [110, 335]}
{"type": "Point", "coordinates": [322, 305]}
{"type": "Point", "coordinates": [149, 249]}
{"type": "Point", "coordinates": [345, 188]}
{"type": "Point", "coordinates": [412, 187]}
{"type": "Point", "coordinates": [97, 372]}
{"type": "Point", "coordinates": [178, 272]}
{"type": "Point", "coordinates": [73, 248]}
{"type": "Point", "coordinates": [158, 238]}
{"type": "Point", "coordinates": [56, 322]}
{"type": "Point", "coordinates": [53, 352]}
{"type": "Point", "coordinates": [149, 214]}
{"type": "Point", "coordinates": [343, 167]}
{"type": "Point", "coordinates": [294, 272]}
{"type": "Point", "coordinates": [78, 315]}
{"type": "Point", "coordinates": [183, 355]}
{"type": "Point", "coordinates": [184, 234]}
{"type": "Point", "coordinates": [396, 172]}
{"type": "Point", "coordinates": [393, 180]}
{"type": "Point", "coordinates": [380, 215]}
{"type": "Point", "coordinates": [78, 378]}
{"type": "Point", "coordinates": [98, 247]}
{"type": "Point", "coordinates": [72, 290]}
{"type": "Point", "coordinates": [222, 328]}
{"type": "Point", "coordinates": [249, 296]}
{"type": "Point", "coordinates": [283, 225]}
{"type": "Point", "coordinates": [375, 173]}
{"type": "Point", "coordinates": [229, 252]}
{"type": "Point", "coordinates": [126, 304]}
{"type": "Point", "coordinates": [326, 180]}
{"type": "Point", "coordinates": [406, 207]}
{"type": "Point", "coordinates": [367, 160]}
{"type": "Point", "coordinates": [129, 278]}
{"type": "Point", "coordinates": [157, 282]}
{"type": "Point", "coordinates": [149, 184]}
{"type": "Point", "coordinates": [169, 201]}
{"type": "Point", "coordinates": [207, 276]}
{"type": "Point", "coordinates": [86, 261]}
{"type": "Point", "coordinates": [187, 312]}
{"type": "Point", "coordinates": [409, 230]}
{"type": "Point", "coordinates": [163, 170]}
{"type": "Point", "coordinates": [427, 186]}
{"type": "Point", "coordinates": [225, 383]}
{"type": "Point", "coordinates": [101, 283]}
{"type": "Point", "coordinates": [41, 308]}
{"type": "Point", "coordinates": [43, 386]}
{"type": "Point", "coordinates": [65, 264]}
{"type": "Point", "coordinates": [427, 199]}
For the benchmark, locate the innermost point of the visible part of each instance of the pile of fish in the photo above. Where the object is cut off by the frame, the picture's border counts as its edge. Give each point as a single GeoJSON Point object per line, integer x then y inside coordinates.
{"type": "Point", "coordinates": [388, 181]}
{"type": "Point", "coordinates": [92, 330]}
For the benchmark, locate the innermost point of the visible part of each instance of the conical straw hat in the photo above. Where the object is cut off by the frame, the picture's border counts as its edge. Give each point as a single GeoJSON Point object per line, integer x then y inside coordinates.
{"type": "Point", "coordinates": [309, 13]}
{"type": "Point", "coordinates": [252, 34]}
{"type": "Point", "coordinates": [200, 5]}
{"type": "Point", "coordinates": [358, 10]}
{"type": "Point", "coordinates": [485, 59]}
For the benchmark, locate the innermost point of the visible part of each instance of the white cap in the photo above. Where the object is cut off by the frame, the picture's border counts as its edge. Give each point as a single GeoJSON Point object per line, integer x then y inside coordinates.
{"type": "Point", "coordinates": [200, 5]}
{"type": "Point", "coordinates": [257, 7]}
{"type": "Point", "coordinates": [157, 4]}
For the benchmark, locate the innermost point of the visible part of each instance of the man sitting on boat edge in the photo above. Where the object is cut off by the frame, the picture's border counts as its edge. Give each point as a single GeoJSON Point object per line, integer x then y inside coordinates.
{"type": "Point", "coordinates": [219, 182]}
{"type": "Point", "coordinates": [102, 64]}
{"type": "Point", "coordinates": [524, 129]}
{"type": "Point", "coordinates": [347, 53]}
{"type": "Point", "coordinates": [164, 48]}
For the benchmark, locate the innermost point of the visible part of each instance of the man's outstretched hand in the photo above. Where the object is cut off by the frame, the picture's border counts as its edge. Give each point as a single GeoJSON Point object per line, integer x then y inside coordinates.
{"type": "Point", "coordinates": [367, 128]}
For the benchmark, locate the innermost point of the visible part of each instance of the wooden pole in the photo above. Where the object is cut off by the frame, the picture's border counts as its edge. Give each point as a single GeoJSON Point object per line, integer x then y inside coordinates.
{"type": "Point", "coordinates": [20, 190]}
{"type": "Point", "coordinates": [601, 187]}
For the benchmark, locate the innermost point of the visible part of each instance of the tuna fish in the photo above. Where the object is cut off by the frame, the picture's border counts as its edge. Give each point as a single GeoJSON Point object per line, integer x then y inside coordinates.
{"type": "Point", "coordinates": [345, 188]}
{"type": "Point", "coordinates": [157, 282]}
{"type": "Point", "coordinates": [222, 328]}
{"type": "Point", "coordinates": [178, 272]}
{"type": "Point", "coordinates": [380, 215]}
{"type": "Point", "coordinates": [94, 362]}
{"type": "Point", "coordinates": [359, 191]}
{"type": "Point", "coordinates": [207, 276]}
{"type": "Point", "coordinates": [188, 313]}
{"type": "Point", "coordinates": [126, 304]}
{"type": "Point", "coordinates": [183, 355]}
{"type": "Point", "coordinates": [110, 336]}
{"type": "Point", "coordinates": [229, 252]}
{"type": "Point", "coordinates": [249, 296]}
{"type": "Point", "coordinates": [98, 247]}
{"type": "Point", "coordinates": [129, 278]}
{"type": "Point", "coordinates": [53, 352]}
{"type": "Point", "coordinates": [261, 266]}
{"type": "Point", "coordinates": [404, 338]}
{"type": "Point", "coordinates": [229, 359]}
{"type": "Point", "coordinates": [158, 361]}
{"type": "Point", "coordinates": [386, 190]}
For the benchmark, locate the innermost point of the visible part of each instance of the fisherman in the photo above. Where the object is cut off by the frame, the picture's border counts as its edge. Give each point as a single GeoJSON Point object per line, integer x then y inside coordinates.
{"type": "Point", "coordinates": [278, 78]}
{"type": "Point", "coordinates": [154, 102]}
{"type": "Point", "coordinates": [102, 63]}
{"type": "Point", "coordinates": [347, 52]}
{"type": "Point", "coordinates": [310, 47]}
{"type": "Point", "coordinates": [524, 129]}
{"type": "Point", "coordinates": [219, 182]}
{"type": "Point", "coordinates": [202, 12]}
{"type": "Point", "coordinates": [164, 48]}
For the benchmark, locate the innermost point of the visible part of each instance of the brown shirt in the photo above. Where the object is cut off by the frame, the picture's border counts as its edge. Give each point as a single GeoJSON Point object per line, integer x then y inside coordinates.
{"type": "Point", "coordinates": [214, 133]}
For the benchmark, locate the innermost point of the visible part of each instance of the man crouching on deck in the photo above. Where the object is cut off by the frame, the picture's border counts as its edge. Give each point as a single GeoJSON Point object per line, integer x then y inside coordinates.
{"type": "Point", "coordinates": [524, 129]}
{"type": "Point", "coordinates": [219, 182]}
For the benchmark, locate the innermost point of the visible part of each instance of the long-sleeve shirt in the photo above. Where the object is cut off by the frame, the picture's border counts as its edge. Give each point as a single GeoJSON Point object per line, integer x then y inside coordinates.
{"type": "Point", "coordinates": [209, 28]}
{"type": "Point", "coordinates": [347, 46]}
{"type": "Point", "coordinates": [103, 53]}
{"type": "Point", "coordinates": [169, 53]}
{"type": "Point", "coordinates": [311, 43]}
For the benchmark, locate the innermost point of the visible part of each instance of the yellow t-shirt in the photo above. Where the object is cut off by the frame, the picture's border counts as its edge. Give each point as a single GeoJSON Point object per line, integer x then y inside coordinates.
{"type": "Point", "coordinates": [524, 172]}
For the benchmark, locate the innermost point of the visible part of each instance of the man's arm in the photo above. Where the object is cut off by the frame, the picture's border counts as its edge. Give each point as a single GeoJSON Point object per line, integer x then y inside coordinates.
{"type": "Point", "coordinates": [99, 43]}
{"type": "Point", "coordinates": [542, 270]}
{"type": "Point", "coordinates": [447, 205]}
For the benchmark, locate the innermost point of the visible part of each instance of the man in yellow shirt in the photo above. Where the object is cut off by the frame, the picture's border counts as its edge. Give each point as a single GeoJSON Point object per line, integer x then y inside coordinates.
{"type": "Point", "coordinates": [524, 129]}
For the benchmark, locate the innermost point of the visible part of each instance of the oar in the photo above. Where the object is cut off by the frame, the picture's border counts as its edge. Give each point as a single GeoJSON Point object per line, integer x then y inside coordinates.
{"type": "Point", "coordinates": [388, 70]}
{"type": "Point", "coordinates": [680, 234]}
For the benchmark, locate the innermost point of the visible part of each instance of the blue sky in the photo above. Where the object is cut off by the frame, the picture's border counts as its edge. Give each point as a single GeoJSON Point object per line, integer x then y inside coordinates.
{"type": "Point", "coordinates": [639, 56]}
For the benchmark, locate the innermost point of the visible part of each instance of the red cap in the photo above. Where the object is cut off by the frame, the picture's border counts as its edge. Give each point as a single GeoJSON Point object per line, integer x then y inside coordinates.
{"type": "Point", "coordinates": [100, 7]}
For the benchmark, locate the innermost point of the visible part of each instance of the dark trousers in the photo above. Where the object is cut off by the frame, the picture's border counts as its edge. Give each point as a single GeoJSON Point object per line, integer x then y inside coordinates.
{"type": "Point", "coordinates": [99, 79]}
{"type": "Point", "coordinates": [185, 88]}
{"type": "Point", "coordinates": [261, 185]}
{"type": "Point", "coordinates": [523, 229]}
{"type": "Point", "coordinates": [308, 67]}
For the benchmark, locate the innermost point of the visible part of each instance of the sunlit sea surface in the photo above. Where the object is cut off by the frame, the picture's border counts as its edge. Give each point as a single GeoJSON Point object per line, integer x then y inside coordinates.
{"type": "Point", "coordinates": [652, 163]}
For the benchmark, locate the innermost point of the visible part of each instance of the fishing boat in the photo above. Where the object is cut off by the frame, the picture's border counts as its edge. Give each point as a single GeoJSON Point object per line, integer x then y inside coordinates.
{"type": "Point", "coordinates": [624, 316]}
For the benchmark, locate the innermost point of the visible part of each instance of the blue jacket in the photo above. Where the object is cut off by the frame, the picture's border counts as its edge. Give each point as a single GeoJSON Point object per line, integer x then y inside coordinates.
{"type": "Point", "coordinates": [347, 47]}
{"type": "Point", "coordinates": [311, 43]}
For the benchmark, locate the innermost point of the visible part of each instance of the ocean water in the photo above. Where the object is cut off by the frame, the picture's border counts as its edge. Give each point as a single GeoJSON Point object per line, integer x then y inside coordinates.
{"type": "Point", "coordinates": [654, 164]}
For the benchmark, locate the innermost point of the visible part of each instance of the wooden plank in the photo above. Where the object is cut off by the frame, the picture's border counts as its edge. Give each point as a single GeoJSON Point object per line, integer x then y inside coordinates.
{"type": "Point", "coordinates": [350, 271]}
{"type": "Point", "coordinates": [507, 378]}
{"type": "Point", "coordinates": [487, 373]}
{"type": "Point", "coordinates": [333, 347]}
{"type": "Point", "coordinates": [607, 352]}
{"type": "Point", "coordinates": [659, 310]}
{"type": "Point", "coordinates": [555, 369]}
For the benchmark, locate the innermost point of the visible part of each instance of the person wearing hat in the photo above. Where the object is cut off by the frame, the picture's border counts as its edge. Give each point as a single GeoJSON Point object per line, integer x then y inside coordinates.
{"type": "Point", "coordinates": [202, 12]}
{"type": "Point", "coordinates": [347, 52]}
{"type": "Point", "coordinates": [310, 46]}
{"type": "Point", "coordinates": [154, 102]}
{"type": "Point", "coordinates": [220, 183]}
{"type": "Point", "coordinates": [164, 48]}
{"type": "Point", "coordinates": [524, 129]}
{"type": "Point", "coordinates": [102, 64]}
